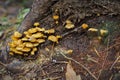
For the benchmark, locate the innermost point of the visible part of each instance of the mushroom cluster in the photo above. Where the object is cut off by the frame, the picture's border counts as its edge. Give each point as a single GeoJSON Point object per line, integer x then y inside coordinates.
{"type": "Point", "coordinates": [26, 44]}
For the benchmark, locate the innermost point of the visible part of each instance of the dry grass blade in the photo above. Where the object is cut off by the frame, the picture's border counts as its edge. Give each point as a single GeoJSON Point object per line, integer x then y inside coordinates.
{"type": "Point", "coordinates": [115, 62]}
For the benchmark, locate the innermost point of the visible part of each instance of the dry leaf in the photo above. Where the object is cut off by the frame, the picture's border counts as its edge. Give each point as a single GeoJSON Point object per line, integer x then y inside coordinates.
{"type": "Point", "coordinates": [71, 74]}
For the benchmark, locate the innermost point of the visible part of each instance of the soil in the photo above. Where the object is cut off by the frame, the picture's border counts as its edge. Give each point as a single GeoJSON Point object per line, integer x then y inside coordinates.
{"type": "Point", "coordinates": [92, 59]}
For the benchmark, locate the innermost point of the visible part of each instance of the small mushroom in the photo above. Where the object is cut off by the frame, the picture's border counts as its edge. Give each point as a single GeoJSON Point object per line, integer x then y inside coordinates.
{"type": "Point", "coordinates": [40, 29]}
{"type": "Point", "coordinates": [68, 22]}
{"type": "Point", "coordinates": [69, 26]}
{"type": "Point", "coordinates": [28, 44]}
{"type": "Point", "coordinates": [93, 29]}
{"type": "Point", "coordinates": [40, 40]}
{"type": "Point", "coordinates": [16, 51]}
{"type": "Point", "coordinates": [35, 44]}
{"type": "Point", "coordinates": [103, 32]}
{"type": "Point", "coordinates": [53, 38]}
{"type": "Point", "coordinates": [12, 44]}
{"type": "Point", "coordinates": [17, 34]}
{"type": "Point", "coordinates": [20, 47]}
{"type": "Point", "coordinates": [18, 42]}
{"type": "Point", "coordinates": [32, 39]}
{"type": "Point", "coordinates": [36, 24]}
{"type": "Point", "coordinates": [58, 36]}
{"type": "Point", "coordinates": [33, 51]}
{"type": "Point", "coordinates": [84, 26]}
{"type": "Point", "coordinates": [50, 31]}
{"type": "Point", "coordinates": [55, 17]}
{"type": "Point", "coordinates": [26, 49]}
{"type": "Point", "coordinates": [24, 39]}
{"type": "Point", "coordinates": [32, 30]}
{"type": "Point", "coordinates": [38, 35]}
{"type": "Point", "coordinates": [11, 53]}
{"type": "Point", "coordinates": [14, 38]}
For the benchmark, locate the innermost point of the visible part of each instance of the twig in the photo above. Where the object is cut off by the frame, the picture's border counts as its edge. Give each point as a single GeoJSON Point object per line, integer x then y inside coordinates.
{"type": "Point", "coordinates": [80, 65]}
{"type": "Point", "coordinates": [115, 62]}
{"type": "Point", "coordinates": [2, 64]}
{"type": "Point", "coordinates": [104, 61]}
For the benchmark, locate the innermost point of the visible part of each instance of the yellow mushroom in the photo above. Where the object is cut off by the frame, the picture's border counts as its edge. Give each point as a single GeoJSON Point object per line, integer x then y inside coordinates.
{"type": "Point", "coordinates": [24, 39]}
{"type": "Point", "coordinates": [103, 32]}
{"type": "Point", "coordinates": [38, 35]}
{"type": "Point", "coordinates": [16, 51]}
{"type": "Point", "coordinates": [35, 44]}
{"type": "Point", "coordinates": [26, 49]}
{"type": "Point", "coordinates": [58, 36]}
{"type": "Point", "coordinates": [40, 40]}
{"type": "Point", "coordinates": [17, 34]}
{"type": "Point", "coordinates": [53, 38]}
{"type": "Point", "coordinates": [32, 30]}
{"type": "Point", "coordinates": [68, 22]}
{"type": "Point", "coordinates": [84, 26]}
{"type": "Point", "coordinates": [28, 44]}
{"type": "Point", "coordinates": [12, 45]}
{"type": "Point", "coordinates": [55, 17]}
{"type": "Point", "coordinates": [50, 31]}
{"type": "Point", "coordinates": [20, 47]}
{"type": "Point", "coordinates": [14, 38]}
{"type": "Point", "coordinates": [69, 26]}
{"type": "Point", "coordinates": [36, 24]}
{"type": "Point", "coordinates": [69, 51]}
{"type": "Point", "coordinates": [32, 39]}
{"type": "Point", "coordinates": [11, 53]}
{"type": "Point", "coordinates": [33, 51]}
{"type": "Point", "coordinates": [18, 42]}
{"type": "Point", "coordinates": [40, 29]}
{"type": "Point", "coordinates": [93, 29]}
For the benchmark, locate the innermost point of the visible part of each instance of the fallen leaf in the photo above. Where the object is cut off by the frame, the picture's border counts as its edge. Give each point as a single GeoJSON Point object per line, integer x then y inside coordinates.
{"type": "Point", "coordinates": [71, 74]}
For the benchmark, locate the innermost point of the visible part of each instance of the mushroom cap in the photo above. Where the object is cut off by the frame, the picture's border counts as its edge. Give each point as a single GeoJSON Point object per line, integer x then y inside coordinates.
{"type": "Point", "coordinates": [38, 35]}
{"type": "Point", "coordinates": [58, 36]}
{"type": "Point", "coordinates": [24, 39]}
{"type": "Point", "coordinates": [32, 39]}
{"type": "Point", "coordinates": [84, 26]}
{"type": "Point", "coordinates": [17, 34]}
{"type": "Point", "coordinates": [69, 26]}
{"type": "Point", "coordinates": [20, 47]}
{"type": "Point", "coordinates": [36, 24]}
{"type": "Point", "coordinates": [32, 53]}
{"type": "Point", "coordinates": [93, 29]}
{"type": "Point", "coordinates": [103, 32]}
{"type": "Point", "coordinates": [68, 22]}
{"type": "Point", "coordinates": [40, 40]}
{"type": "Point", "coordinates": [35, 44]}
{"type": "Point", "coordinates": [14, 38]}
{"type": "Point", "coordinates": [40, 29]}
{"type": "Point", "coordinates": [32, 30]}
{"type": "Point", "coordinates": [53, 38]}
{"type": "Point", "coordinates": [12, 44]}
{"type": "Point", "coordinates": [29, 44]}
{"type": "Point", "coordinates": [34, 49]}
{"type": "Point", "coordinates": [25, 49]}
{"type": "Point", "coordinates": [18, 42]}
{"type": "Point", "coordinates": [55, 17]}
{"type": "Point", "coordinates": [11, 53]}
{"type": "Point", "coordinates": [16, 51]}
{"type": "Point", "coordinates": [50, 31]}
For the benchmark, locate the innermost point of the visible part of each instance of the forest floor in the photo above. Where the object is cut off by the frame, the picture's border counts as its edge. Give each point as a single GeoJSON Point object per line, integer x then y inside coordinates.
{"type": "Point", "coordinates": [78, 55]}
